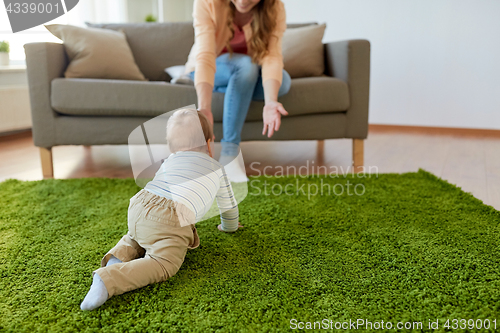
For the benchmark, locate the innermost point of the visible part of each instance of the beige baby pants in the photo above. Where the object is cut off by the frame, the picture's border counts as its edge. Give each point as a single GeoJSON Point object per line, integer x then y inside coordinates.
{"type": "Point", "coordinates": [153, 249]}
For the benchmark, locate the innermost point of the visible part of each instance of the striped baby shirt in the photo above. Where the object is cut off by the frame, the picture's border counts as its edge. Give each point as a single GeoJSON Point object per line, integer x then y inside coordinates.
{"type": "Point", "coordinates": [194, 179]}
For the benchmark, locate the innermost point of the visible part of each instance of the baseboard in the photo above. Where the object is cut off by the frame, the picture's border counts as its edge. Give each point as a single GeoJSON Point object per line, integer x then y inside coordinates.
{"type": "Point", "coordinates": [372, 128]}
{"type": "Point", "coordinates": [15, 134]}
{"type": "Point", "coordinates": [453, 131]}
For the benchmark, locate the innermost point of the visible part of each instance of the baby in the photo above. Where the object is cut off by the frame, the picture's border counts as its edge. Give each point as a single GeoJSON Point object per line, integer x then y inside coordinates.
{"type": "Point", "coordinates": [161, 217]}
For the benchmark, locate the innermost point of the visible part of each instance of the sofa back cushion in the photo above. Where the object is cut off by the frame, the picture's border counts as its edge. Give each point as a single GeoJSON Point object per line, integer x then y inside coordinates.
{"type": "Point", "coordinates": [97, 53]}
{"type": "Point", "coordinates": [156, 46]}
{"type": "Point", "coordinates": [303, 51]}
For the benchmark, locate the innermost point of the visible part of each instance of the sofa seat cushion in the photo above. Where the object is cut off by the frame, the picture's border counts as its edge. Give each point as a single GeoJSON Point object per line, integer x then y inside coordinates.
{"type": "Point", "coordinates": [97, 97]}
{"type": "Point", "coordinates": [309, 95]}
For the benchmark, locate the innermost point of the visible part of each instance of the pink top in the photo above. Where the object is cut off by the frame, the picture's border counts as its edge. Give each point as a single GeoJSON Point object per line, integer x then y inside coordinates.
{"type": "Point", "coordinates": [238, 43]}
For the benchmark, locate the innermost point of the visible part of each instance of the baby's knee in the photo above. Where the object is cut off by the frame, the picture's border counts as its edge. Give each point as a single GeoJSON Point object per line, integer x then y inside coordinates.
{"type": "Point", "coordinates": [168, 267]}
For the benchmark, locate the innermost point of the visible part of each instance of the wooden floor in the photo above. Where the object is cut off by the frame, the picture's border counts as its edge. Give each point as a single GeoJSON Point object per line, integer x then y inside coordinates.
{"type": "Point", "coordinates": [470, 161]}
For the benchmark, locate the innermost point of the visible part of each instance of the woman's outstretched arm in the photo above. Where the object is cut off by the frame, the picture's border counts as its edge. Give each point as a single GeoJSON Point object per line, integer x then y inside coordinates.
{"type": "Point", "coordinates": [272, 76]}
{"type": "Point", "coordinates": [204, 29]}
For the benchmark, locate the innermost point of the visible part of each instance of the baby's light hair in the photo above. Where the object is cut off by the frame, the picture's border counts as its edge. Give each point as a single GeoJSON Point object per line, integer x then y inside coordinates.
{"type": "Point", "coordinates": [188, 129]}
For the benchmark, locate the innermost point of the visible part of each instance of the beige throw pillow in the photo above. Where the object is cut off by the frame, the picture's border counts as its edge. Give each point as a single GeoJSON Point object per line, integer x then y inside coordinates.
{"type": "Point", "coordinates": [303, 53]}
{"type": "Point", "coordinates": [97, 53]}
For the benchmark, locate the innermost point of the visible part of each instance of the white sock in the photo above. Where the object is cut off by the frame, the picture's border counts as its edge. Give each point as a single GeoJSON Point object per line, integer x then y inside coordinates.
{"type": "Point", "coordinates": [235, 169]}
{"type": "Point", "coordinates": [97, 295]}
{"type": "Point", "coordinates": [113, 260]}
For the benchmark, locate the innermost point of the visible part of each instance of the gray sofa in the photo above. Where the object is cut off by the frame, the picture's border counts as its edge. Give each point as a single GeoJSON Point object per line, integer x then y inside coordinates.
{"type": "Point", "coordinates": [102, 112]}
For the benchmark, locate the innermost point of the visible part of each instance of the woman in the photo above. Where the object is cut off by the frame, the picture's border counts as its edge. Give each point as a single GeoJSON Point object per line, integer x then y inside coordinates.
{"type": "Point", "coordinates": [237, 51]}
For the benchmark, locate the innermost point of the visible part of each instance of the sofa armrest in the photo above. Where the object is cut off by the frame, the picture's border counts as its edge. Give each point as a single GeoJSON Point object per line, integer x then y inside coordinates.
{"type": "Point", "coordinates": [349, 60]}
{"type": "Point", "coordinates": [44, 62]}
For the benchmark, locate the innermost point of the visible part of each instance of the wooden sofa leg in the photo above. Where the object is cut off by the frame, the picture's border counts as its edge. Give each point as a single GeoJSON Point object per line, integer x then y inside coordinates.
{"type": "Point", "coordinates": [47, 163]}
{"type": "Point", "coordinates": [358, 154]}
{"type": "Point", "coordinates": [320, 152]}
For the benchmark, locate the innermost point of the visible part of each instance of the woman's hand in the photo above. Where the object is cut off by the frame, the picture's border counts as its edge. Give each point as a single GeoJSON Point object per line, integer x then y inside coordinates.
{"type": "Point", "coordinates": [208, 114]}
{"type": "Point", "coordinates": [272, 117]}
{"type": "Point", "coordinates": [210, 117]}
{"type": "Point", "coordinates": [204, 96]}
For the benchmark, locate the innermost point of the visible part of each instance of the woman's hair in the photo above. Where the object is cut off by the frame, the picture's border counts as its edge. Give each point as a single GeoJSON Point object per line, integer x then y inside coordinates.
{"type": "Point", "coordinates": [263, 24]}
{"type": "Point", "coordinates": [188, 129]}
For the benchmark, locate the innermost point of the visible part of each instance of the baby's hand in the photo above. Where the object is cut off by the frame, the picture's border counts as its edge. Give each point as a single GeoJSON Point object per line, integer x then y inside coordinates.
{"type": "Point", "coordinates": [220, 228]}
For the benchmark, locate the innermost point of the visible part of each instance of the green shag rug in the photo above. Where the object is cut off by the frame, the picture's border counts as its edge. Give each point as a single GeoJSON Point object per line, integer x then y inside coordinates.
{"type": "Point", "coordinates": [412, 248]}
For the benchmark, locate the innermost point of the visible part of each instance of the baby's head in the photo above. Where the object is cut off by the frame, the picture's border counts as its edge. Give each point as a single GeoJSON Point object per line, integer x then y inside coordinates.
{"type": "Point", "coordinates": [189, 129]}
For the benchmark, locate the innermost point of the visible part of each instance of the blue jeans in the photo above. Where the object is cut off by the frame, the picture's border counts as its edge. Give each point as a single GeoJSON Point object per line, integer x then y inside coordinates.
{"type": "Point", "coordinates": [241, 81]}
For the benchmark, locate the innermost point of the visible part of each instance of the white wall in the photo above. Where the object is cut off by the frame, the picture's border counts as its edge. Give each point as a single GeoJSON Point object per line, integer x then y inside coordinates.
{"type": "Point", "coordinates": [15, 109]}
{"type": "Point", "coordinates": [433, 62]}
{"type": "Point", "coordinates": [173, 10]}
{"type": "Point", "coordinates": [178, 10]}
{"type": "Point", "coordinates": [139, 9]}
